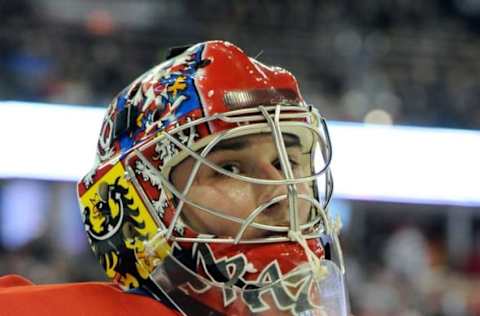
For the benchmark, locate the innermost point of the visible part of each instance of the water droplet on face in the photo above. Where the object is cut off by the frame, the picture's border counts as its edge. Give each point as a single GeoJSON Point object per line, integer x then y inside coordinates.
{"type": "Point", "coordinates": [250, 72]}
{"type": "Point", "coordinates": [210, 93]}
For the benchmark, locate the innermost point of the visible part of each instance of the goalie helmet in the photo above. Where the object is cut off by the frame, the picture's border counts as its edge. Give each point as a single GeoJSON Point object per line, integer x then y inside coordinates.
{"type": "Point", "coordinates": [137, 218]}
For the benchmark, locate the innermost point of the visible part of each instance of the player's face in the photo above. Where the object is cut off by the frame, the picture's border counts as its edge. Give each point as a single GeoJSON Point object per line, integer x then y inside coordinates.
{"type": "Point", "coordinates": [254, 156]}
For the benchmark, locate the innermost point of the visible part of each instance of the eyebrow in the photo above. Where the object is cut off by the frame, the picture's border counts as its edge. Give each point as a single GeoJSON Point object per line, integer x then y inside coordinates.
{"type": "Point", "coordinates": [243, 142]}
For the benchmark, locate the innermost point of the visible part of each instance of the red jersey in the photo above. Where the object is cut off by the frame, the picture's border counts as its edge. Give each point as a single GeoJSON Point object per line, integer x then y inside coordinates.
{"type": "Point", "coordinates": [19, 297]}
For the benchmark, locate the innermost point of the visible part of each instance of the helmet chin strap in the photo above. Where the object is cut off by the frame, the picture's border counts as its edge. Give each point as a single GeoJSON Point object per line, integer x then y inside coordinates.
{"type": "Point", "coordinates": [319, 271]}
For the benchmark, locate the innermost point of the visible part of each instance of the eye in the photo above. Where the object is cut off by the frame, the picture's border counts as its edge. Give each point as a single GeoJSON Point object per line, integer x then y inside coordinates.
{"type": "Point", "coordinates": [231, 167]}
{"type": "Point", "coordinates": [278, 165]}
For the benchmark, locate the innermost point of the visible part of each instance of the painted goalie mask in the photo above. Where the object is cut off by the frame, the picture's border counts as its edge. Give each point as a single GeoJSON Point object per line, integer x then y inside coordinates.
{"type": "Point", "coordinates": [210, 190]}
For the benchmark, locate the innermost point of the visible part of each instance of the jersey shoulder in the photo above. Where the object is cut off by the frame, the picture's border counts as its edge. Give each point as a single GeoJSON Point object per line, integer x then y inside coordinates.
{"type": "Point", "coordinates": [19, 296]}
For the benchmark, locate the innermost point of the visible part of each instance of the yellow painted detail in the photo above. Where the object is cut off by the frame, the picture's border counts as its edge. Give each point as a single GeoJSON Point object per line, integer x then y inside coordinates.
{"type": "Point", "coordinates": [114, 208]}
{"type": "Point", "coordinates": [96, 218]}
{"type": "Point", "coordinates": [129, 281]}
{"type": "Point", "coordinates": [178, 85]}
{"type": "Point", "coordinates": [139, 119]}
{"type": "Point", "coordinates": [110, 266]}
{"type": "Point", "coordinates": [146, 259]}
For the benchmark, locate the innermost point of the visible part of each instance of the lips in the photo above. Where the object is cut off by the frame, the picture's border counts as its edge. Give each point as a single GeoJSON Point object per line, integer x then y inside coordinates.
{"type": "Point", "coordinates": [273, 235]}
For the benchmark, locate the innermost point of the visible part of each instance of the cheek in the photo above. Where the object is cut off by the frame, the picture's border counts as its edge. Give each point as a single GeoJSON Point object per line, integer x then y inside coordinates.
{"type": "Point", "coordinates": [233, 198]}
{"type": "Point", "coordinates": [304, 205]}
{"type": "Point", "coordinates": [228, 197]}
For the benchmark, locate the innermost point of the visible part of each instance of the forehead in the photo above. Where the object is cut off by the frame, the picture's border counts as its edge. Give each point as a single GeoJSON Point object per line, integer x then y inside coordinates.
{"type": "Point", "coordinates": [244, 147]}
{"type": "Point", "coordinates": [251, 145]}
{"type": "Point", "coordinates": [249, 141]}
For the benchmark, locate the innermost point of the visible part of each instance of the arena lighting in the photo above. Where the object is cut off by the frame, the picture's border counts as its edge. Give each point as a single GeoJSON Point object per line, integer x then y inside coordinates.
{"type": "Point", "coordinates": [370, 162]}
{"type": "Point", "coordinates": [406, 164]}
{"type": "Point", "coordinates": [46, 141]}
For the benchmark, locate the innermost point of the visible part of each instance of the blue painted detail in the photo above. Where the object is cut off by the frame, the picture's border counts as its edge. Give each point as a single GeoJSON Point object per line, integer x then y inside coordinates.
{"type": "Point", "coordinates": [192, 101]}
{"type": "Point", "coordinates": [126, 142]}
{"type": "Point", "coordinates": [121, 100]}
{"type": "Point", "coordinates": [139, 291]}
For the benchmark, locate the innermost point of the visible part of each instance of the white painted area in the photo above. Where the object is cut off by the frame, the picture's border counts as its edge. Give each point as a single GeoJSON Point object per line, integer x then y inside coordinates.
{"type": "Point", "coordinates": [370, 162]}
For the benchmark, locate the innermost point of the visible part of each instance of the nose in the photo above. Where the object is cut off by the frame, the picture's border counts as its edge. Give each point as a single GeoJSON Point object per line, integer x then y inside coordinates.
{"type": "Point", "coordinates": [269, 170]}
{"type": "Point", "coordinates": [278, 211]}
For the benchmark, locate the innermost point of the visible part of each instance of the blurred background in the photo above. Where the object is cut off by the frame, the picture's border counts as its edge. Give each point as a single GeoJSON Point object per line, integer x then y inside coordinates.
{"type": "Point", "coordinates": [395, 62]}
